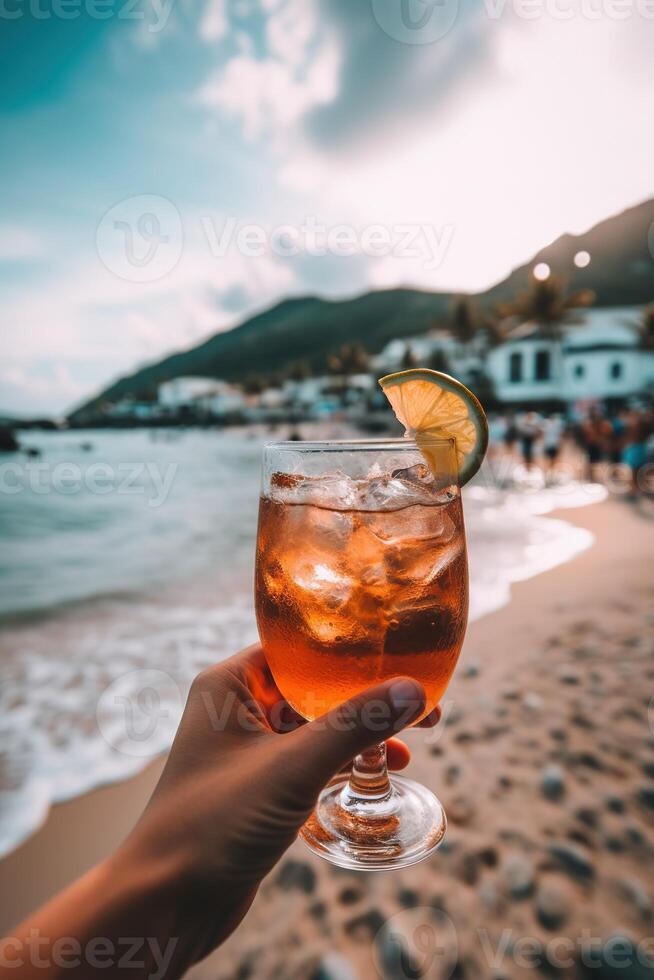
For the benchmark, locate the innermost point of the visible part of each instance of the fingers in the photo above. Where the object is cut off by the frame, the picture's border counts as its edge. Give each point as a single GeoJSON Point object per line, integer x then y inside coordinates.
{"type": "Point", "coordinates": [318, 750]}
{"type": "Point", "coordinates": [398, 754]}
{"type": "Point", "coordinates": [432, 719]}
{"type": "Point", "coordinates": [245, 682]}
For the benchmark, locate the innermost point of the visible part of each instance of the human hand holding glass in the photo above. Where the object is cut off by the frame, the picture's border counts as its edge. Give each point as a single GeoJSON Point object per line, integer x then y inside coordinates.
{"type": "Point", "coordinates": [362, 577]}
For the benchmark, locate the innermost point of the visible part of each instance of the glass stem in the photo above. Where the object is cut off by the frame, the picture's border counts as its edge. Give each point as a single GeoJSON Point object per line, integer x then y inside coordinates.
{"type": "Point", "coordinates": [369, 777]}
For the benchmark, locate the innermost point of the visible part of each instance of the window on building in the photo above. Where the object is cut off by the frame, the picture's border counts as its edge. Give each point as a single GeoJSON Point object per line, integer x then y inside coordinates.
{"type": "Point", "coordinates": [615, 370]}
{"type": "Point", "coordinates": [515, 366]}
{"type": "Point", "coordinates": [542, 365]}
{"type": "Point", "coordinates": [579, 370]}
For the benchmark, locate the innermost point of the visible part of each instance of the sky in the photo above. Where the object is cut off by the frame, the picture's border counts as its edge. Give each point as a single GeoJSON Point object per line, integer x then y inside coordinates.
{"type": "Point", "coordinates": [169, 167]}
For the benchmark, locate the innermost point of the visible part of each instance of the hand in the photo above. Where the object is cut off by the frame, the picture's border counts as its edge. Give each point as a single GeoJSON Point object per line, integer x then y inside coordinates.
{"type": "Point", "coordinates": [235, 792]}
{"type": "Point", "coordinates": [242, 777]}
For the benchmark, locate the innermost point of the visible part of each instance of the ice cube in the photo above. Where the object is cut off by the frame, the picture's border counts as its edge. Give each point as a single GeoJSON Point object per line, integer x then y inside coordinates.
{"type": "Point", "coordinates": [342, 633]}
{"type": "Point", "coordinates": [274, 579]}
{"type": "Point", "coordinates": [419, 474]}
{"type": "Point", "coordinates": [312, 578]}
{"type": "Point", "coordinates": [328, 530]}
{"type": "Point", "coordinates": [412, 524]}
{"type": "Point", "coordinates": [423, 626]}
{"type": "Point", "coordinates": [416, 560]}
{"type": "Point", "coordinates": [384, 493]}
{"type": "Point", "coordinates": [335, 491]}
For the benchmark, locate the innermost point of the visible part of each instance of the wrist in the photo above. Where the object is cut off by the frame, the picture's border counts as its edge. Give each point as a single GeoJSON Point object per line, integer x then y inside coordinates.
{"type": "Point", "coordinates": [146, 896]}
{"type": "Point", "coordinates": [193, 900]}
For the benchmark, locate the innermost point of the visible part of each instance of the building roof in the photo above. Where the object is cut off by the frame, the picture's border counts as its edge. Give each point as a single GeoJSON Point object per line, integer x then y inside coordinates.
{"type": "Point", "coordinates": [606, 328]}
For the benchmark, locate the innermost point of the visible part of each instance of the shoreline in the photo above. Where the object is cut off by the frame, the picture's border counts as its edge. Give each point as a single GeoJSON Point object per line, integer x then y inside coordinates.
{"type": "Point", "coordinates": [99, 819]}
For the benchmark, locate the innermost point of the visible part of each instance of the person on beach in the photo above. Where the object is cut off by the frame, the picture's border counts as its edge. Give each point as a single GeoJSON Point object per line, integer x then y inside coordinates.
{"type": "Point", "coordinates": [595, 434]}
{"type": "Point", "coordinates": [510, 433]}
{"type": "Point", "coordinates": [242, 777]}
{"type": "Point", "coordinates": [638, 428]}
{"type": "Point", "coordinates": [530, 431]}
{"type": "Point", "coordinates": [553, 429]}
{"type": "Point", "coordinates": [616, 440]}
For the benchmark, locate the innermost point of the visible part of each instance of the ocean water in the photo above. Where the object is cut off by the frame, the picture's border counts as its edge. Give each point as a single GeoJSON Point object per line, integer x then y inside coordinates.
{"type": "Point", "coordinates": [126, 563]}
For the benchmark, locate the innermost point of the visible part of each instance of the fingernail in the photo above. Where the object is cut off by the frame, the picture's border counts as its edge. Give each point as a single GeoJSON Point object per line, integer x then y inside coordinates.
{"type": "Point", "coordinates": [407, 696]}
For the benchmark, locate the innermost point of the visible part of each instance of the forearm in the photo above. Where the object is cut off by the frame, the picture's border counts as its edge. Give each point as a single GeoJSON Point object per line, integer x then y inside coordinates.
{"type": "Point", "coordinates": [126, 918]}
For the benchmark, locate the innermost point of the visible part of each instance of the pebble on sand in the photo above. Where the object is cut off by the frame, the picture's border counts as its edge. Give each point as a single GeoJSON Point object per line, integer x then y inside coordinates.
{"type": "Point", "coordinates": [533, 702]}
{"type": "Point", "coordinates": [646, 796]}
{"type": "Point", "coordinates": [552, 783]}
{"type": "Point", "coordinates": [518, 876]}
{"type": "Point", "coordinates": [297, 874]}
{"type": "Point", "coordinates": [568, 675]}
{"type": "Point", "coordinates": [333, 966]}
{"type": "Point", "coordinates": [350, 895]}
{"type": "Point", "coordinates": [634, 892]}
{"type": "Point", "coordinates": [615, 803]}
{"type": "Point", "coordinates": [461, 809]}
{"type": "Point", "coordinates": [572, 860]}
{"type": "Point", "coordinates": [552, 905]}
{"type": "Point", "coordinates": [366, 926]}
{"type": "Point", "coordinates": [408, 898]}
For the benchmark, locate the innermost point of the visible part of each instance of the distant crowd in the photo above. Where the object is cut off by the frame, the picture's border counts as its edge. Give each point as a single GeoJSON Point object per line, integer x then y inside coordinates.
{"type": "Point", "coordinates": [607, 441]}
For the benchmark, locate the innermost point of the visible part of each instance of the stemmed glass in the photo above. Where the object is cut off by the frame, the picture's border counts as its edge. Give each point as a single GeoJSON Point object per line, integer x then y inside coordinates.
{"type": "Point", "coordinates": [361, 576]}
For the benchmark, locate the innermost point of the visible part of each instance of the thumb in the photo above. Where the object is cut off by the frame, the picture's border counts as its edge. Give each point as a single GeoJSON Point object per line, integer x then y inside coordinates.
{"type": "Point", "coordinates": [325, 745]}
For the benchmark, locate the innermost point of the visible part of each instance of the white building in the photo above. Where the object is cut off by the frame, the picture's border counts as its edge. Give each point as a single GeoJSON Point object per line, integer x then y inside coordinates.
{"type": "Point", "coordinates": [310, 392]}
{"type": "Point", "coordinates": [223, 399]}
{"type": "Point", "coordinates": [204, 395]}
{"type": "Point", "coordinates": [464, 359]}
{"type": "Point", "coordinates": [273, 398]}
{"type": "Point", "coordinates": [598, 357]}
{"type": "Point", "coordinates": [182, 392]}
{"type": "Point", "coordinates": [127, 408]}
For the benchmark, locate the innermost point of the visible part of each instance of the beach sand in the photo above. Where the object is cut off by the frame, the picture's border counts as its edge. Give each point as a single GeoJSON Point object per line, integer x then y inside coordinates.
{"type": "Point", "coordinates": [545, 765]}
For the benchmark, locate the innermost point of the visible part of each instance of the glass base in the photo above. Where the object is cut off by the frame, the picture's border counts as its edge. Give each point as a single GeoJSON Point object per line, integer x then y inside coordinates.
{"type": "Point", "coordinates": [372, 833]}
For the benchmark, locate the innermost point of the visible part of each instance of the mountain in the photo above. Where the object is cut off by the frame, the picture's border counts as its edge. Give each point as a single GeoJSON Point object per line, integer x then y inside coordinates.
{"type": "Point", "coordinates": [302, 329]}
{"type": "Point", "coordinates": [621, 273]}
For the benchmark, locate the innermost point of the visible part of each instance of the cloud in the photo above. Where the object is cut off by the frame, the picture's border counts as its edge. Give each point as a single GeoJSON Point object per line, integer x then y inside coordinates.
{"type": "Point", "coordinates": [26, 389]}
{"type": "Point", "coordinates": [214, 23]}
{"type": "Point", "coordinates": [19, 243]}
{"type": "Point", "coordinates": [270, 94]}
{"type": "Point", "coordinates": [329, 74]}
{"type": "Point", "coordinates": [387, 85]}
{"type": "Point", "coordinates": [105, 324]}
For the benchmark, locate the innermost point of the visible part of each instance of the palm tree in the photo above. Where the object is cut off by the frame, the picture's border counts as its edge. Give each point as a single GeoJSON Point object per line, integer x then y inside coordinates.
{"type": "Point", "coordinates": [254, 384]}
{"type": "Point", "coordinates": [492, 329]}
{"type": "Point", "coordinates": [409, 359]}
{"type": "Point", "coordinates": [299, 371]}
{"type": "Point", "coordinates": [350, 359]}
{"type": "Point", "coordinates": [547, 304]}
{"type": "Point", "coordinates": [463, 321]}
{"type": "Point", "coordinates": [439, 362]}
